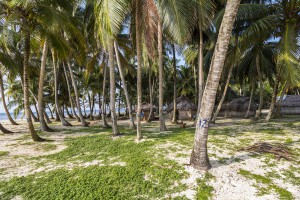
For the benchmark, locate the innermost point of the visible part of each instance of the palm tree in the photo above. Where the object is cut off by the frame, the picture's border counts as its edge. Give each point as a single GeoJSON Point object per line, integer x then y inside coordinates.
{"type": "Point", "coordinates": [199, 157]}
{"type": "Point", "coordinates": [112, 81]}
{"type": "Point", "coordinates": [139, 67]}
{"type": "Point", "coordinates": [105, 125]}
{"type": "Point", "coordinates": [64, 122]}
{"type": "Point", "coordinates": [83, 122]}
{"type": "Point", "coordinates": [26, 31]}
{"type": "Point", "coordinates": [174, 117]}
{"type": "Point", "coordinates": [41, 110]}
{"type": "Point", "coordinates": [161, 76]}
{"type": "Point", "coordinates": [4, 130]}
{"type": "Point", "coordinates": [129, 107]}
{"type": "Point", "coordinates": [4, 102]}
{"type": "Point", "coordinates": [70, 95]}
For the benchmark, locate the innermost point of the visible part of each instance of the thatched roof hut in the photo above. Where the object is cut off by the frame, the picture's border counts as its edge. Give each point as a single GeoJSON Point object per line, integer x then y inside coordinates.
{"type": "Point", "coordinates": [183, 103]}
{"type": "Point", "coordinates": [146, 110]}
{"type": "Point", "coordinates": [147, 106]}
{"type": "Point", "coordinates": [186, 109]}
{"type": "Point", "coordinates": [238, 108]}
{"type": "Point", "coordinates": [290, 105]}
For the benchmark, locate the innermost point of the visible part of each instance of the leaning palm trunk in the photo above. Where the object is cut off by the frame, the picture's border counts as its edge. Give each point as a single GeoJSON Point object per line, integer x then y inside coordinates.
{"type": "Point", "coordinates": [132, 125]}
{"type": "Point", "coordinates": [63, 121]}
{"type": "Point", "coordinates": [47, 117]}
{"type": "Point", "coordinates": [250, 101]}
{"type": "Point", "coordinates": [199, 157]}
{"type": "Point", "coordinates": [4, 102]}
{"type": "Point", "coordinates": [70, 96]}
{"type": "Point", "coordinates": [112, 81]}
{"type": "Point", "coordinates": [50, 110]}
{"type": "Point", "coordinates": [33, 117]}
{"type": "Point", "coordinates": [278, 109]}
{"type": "Point", "coordinates": [274, 96]}
{"type": "Point", "coordinates": [83, 122]}
{"type": "Point", "coordinates": [223, 95]}
{"type": "Point", "coordinates": [139, 69]}
{"type": "Point", "coordinates": [261, 88]}
{"type": "Point", "coordinates": [105, 125]}
{"type": "Point", "coordinates": [4, 130]}
{"type": "Point", "coordinates": [200, 73]}
{"type": "Point", "coordinates": [34, 135]}
{"type": "Point", "coordinates": [44, 126]}
{"type": "Point", "coordinates": [162, 125]}
{"type": "Point", "coordinates": [174, 118]}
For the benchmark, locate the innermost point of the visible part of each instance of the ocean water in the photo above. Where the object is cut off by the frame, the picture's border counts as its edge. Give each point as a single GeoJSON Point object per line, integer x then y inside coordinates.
{"type": "Point", "coordinates": [4, 117]}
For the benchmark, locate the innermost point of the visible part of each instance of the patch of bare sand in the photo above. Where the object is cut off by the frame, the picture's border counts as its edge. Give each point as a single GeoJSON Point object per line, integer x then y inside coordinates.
{"type": "Point", "coordinates": [228, 183]}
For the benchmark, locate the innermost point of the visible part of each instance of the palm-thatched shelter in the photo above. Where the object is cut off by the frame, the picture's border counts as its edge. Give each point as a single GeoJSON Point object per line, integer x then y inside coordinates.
{"type": "Point", "coordinates": [238, 108]}
{"type": "Point", "coordinates": [186, 109]}
{"type": "Point", "coordinates": [290, 105]}
{"type": "Point", "coordinates": [146, 107]}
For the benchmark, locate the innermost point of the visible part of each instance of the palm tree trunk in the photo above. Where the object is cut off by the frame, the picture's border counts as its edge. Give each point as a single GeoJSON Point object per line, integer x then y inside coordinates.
{"type": "Point", "coordinates": [195, 82]}
{"type": "Point", "coordinates": [68, 113]}
{"type": "Point", "coordinates": [99, 105]}
{"type": "Point", "coordinates": [4, 130]}
{"type": "Point", "coordinates": [56, 115]}
{"type": "Point", "coordinates": [162, 125]}
{"type": "Point", "coordinates": [151, 95]}
{"type": "Point", "coordinates": [139, 69]}
{"type": "Point", "coordinates": [51, 113]}
{"type": "Point", "coordinates": [174, 118]}
{"type": "Point", "coordinates": [278, 109]}
{"type": "Point", "coordinates": [105, 125]}
{"type": "Point", "coordinates": [34, 135]}
{"type": "Point", "coordinates": [43, 124]}
{"type": "Point", "coordinates": [64, 122]}
{"type": "Point", "coordinates": [112, 81]}
{"type": "Point", "coordinates": [132, 125]}
{"type": "Point", "coordinates": [90, 105]}
{"type": "Point", "coordinates": [93, 106]}
{"type": "Point", "coordinates": [83, 122]}
{"type": "Point", "coordinates": [223, 95]}
{"type": "Point", "coordinates": [250, 101]}
{"type": "Point", "coordinates": [83, 105]}
{"type": "Point", "coordinates": [47, 117]}
{"type": "Point", "coordinates": [4, 102]}
{"type": "Point", "coordinates": [69, 92]}
{"type": "Point", "coordinates": [199, 158]}
{"type": "Point", "coordinates": [274, 96]}
{"type": "Point", "coordinates": [261, 88]}
{"type": "Point", "coordinates": [33, 117]}
{"type": "Point", "coordinates": [200, 72]}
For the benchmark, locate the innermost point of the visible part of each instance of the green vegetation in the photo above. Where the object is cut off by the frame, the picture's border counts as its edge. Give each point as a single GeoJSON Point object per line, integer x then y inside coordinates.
{"type": "Point", "coordinates": [3, 153]}
{"type": "Point", "coordinates": [127, 171]}
{"type": "Point", "coordinates": [265, 185]}
{"type": "Point", "coordinates": [204, 191]}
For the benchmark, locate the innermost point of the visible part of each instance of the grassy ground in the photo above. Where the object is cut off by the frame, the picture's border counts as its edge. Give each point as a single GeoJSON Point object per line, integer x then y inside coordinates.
{"type": "Point", "coordinates": [87, 163]}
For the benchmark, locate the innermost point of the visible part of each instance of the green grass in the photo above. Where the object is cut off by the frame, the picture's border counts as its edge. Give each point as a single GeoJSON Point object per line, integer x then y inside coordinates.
{"type": "Point", "coordinates": [46, 147]}
{"type": "Point", "coordinates": [3, 153]}
{"type": "Point", "coordinates": [101, 182]}
{"type": "Point", "coordinates": [204, 191]}
{"type": "Point", "coordinates": [265, 185]}
{"type": "Point", "coordinates": [146, 173]}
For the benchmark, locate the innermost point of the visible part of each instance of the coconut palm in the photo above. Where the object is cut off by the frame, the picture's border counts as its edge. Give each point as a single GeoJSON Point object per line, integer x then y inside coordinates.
{"type": "Point", "coordinates": [4, 101]}
{"type": "Point", "coordinates": [199, 157]}
{"type": "Point", "coordinates": [129, 107]}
